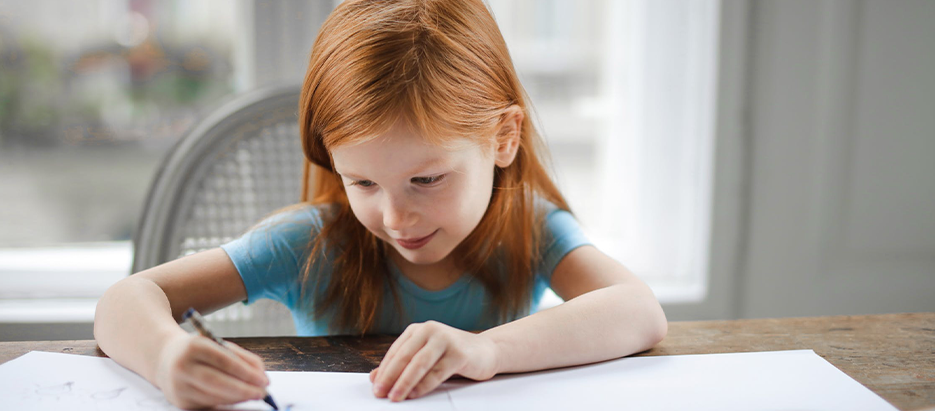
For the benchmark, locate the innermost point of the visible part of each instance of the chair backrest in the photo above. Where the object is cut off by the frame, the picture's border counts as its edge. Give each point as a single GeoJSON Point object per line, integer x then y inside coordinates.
{"type": "Point", "coordinates": [241, 162]}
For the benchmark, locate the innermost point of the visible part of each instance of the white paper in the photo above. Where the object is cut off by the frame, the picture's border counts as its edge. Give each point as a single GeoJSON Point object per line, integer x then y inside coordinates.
{"type": "Point", "coordinates": [53, 381]}
{"type": "Point", "coordinates": [781, 380]}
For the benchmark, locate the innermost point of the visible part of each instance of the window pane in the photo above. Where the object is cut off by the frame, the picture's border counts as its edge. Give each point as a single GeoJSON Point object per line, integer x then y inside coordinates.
{"type": "Point", "coordinates": [92, 96]}
{"type": "Point", "coordinates": [623, 94]}
{"type": "Point", "coordinates": [556, 46]}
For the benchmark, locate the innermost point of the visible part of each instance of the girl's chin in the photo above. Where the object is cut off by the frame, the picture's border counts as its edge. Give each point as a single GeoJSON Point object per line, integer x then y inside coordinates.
{"type": "Point", "coordinates": [420, 258]}
{"type": "Point", "coordinates": [423, 256]}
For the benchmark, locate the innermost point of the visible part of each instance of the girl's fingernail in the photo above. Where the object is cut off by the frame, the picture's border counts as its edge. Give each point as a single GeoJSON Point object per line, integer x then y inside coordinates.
{"type": "Point", "coordinates": [378, 388]}
{"type": "Point", "coordinates": [395, 395]}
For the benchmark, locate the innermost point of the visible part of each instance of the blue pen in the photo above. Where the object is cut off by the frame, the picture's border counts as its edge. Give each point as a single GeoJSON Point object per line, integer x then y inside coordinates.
{"type": "Point", "coordinates": [198, 322]}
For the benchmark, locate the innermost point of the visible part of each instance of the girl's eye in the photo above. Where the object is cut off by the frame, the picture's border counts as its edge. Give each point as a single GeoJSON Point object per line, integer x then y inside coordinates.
{"type": "Point", "coordinates": [426, 181]}
{"type": "Point", "coordinates": [362, 183]}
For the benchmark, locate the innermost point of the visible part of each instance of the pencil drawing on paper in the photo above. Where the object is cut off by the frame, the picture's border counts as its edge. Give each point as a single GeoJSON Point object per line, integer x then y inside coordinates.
{"type": "Point", "coordinates": [54, 391]}
{"type": "Point", "coordinates": [76, 395]}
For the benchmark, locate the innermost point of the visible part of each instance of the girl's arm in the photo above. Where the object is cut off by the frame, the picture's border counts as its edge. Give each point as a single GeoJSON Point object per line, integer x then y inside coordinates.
{"type": "Point", "coordinates": [136, 324]}
{"type": "Point", "coordinates": [608, 313]}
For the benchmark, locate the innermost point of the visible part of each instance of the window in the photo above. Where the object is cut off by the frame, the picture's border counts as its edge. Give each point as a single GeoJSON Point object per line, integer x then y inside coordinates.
{"type": "Point", "coordinates": [92, 96]}
{"type": "Point", "coordinates": [622, 90]}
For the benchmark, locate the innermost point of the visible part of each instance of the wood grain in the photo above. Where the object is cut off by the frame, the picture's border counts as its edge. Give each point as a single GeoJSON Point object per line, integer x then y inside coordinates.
{"type": "Point", "coordinates": [892, 354]}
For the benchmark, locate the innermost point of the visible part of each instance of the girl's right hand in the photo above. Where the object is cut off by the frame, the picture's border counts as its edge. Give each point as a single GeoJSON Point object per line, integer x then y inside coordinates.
{"type": "Point", "coordinates": [195, 372]}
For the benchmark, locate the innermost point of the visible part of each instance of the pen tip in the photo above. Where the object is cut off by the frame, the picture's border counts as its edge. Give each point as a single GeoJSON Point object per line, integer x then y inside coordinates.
{"type": "Point", "coordinates": [269, 400]}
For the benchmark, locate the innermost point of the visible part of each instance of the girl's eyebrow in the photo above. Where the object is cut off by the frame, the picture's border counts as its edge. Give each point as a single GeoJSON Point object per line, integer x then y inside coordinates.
{"type": "Point", "coordinates": [427, 164]}
{"type": "Point", "coordinates": [415, 170]}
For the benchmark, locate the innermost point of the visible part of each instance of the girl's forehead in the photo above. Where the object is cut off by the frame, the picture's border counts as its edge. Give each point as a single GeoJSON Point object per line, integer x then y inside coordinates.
{"type": "Point", "coordinates": [399, 131]}
{"type": "Point", "coordinates": [406, 147]}
{"type": "Point", "coordinates": [404, 154]}
{"type": "Point", "coordinates": [450, 140]}
{"type": "Point", "coordinates": [404, 139]}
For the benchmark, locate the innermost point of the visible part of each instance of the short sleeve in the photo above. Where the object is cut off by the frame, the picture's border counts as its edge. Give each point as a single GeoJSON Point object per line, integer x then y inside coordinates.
{"type": "Point", "coordinates": [269, 257]}
{"type": "Point", "coordinates": [560, 235]}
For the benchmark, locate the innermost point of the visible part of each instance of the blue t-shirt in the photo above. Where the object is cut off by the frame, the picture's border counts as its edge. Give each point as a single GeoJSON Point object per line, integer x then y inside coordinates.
{"type": "Point", "coordinates": [270, 258]}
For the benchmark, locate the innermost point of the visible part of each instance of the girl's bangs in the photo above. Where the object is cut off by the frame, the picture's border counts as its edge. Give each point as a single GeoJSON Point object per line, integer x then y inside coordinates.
{"type": "Point", "coordinates": [368, 115]}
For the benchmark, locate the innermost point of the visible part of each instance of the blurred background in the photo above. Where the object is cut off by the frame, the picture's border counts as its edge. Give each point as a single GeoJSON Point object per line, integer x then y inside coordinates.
{"type": "Point", "coordinates": [746, 158]}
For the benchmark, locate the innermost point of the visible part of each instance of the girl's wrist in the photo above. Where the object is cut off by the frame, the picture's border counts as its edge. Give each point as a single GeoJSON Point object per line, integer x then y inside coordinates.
{"type": "Point", "coordinates": [163, 341]}
{"type": "Point", "coordinates": [497, 349]}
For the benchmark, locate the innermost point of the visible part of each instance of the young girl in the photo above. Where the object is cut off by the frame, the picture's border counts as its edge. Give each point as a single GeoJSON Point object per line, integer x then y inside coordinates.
{"type": "Point", "coordinates": [432, 216]}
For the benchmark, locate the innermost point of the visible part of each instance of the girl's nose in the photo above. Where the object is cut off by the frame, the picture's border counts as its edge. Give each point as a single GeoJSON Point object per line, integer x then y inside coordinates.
{"type": "Point", "coordinates": [397, 215]}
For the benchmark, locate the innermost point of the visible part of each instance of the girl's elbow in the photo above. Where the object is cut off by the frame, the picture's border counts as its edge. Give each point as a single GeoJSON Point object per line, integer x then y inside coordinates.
{"type": "Point", "coordinates": [661, 329]}
{"type": "Point", "coordinates": [658, 326]}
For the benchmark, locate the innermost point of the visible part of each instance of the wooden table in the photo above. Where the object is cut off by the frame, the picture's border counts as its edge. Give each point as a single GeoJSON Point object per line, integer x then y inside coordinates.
{"type": "Point", "coordinates": [892, 354]}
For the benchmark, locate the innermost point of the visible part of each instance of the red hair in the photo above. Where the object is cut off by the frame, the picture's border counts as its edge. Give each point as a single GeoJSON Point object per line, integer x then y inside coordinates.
{"type": "Point", "coordinates": [443, 67]}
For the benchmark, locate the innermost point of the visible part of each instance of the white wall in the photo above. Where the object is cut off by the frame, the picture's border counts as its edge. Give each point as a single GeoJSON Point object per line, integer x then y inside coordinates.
{"type": "Point", "coordinates": [842, 194]}
{"type": "Point", "coordinates": [824, 157]}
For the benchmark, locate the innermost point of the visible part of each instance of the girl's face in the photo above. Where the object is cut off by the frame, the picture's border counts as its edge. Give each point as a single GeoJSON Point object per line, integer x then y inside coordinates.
{"type": "Point", "coordinates": [423, 200]}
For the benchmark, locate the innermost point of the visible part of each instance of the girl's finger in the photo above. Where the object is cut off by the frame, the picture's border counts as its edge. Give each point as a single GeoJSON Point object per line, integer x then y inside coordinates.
{"type": "Point", "coordinates": [391, 368]}
{"type": "Point", "coordinates": [441, 372]}
{"type": "Point", "coordinates": [222, 386]}
{"type": "Point", "coordinates": [217, 357]}
{"type": "Point", "coordinates": [407, 333]}
{"type": "Point", "coordinates": [247, 356]}
{"type": "Point", "coordinates": [415, 371]}
{"type": "Point", "coordinates": [199, 398]}
{"type": "Point", "coordinates": [373, 374]}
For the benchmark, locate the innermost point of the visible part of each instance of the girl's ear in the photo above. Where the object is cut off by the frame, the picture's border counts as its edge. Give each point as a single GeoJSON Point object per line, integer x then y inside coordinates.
{"type": "Point", "coordinates": [508, 136]}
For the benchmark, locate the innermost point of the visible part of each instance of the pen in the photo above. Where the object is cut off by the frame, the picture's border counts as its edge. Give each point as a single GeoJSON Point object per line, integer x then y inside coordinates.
{"type": "Point", "coordinates": [198, 322]}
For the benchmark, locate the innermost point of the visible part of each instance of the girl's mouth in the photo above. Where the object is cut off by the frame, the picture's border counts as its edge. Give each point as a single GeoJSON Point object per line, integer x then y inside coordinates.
{"type": "Point", "coordinates": [416, 243]}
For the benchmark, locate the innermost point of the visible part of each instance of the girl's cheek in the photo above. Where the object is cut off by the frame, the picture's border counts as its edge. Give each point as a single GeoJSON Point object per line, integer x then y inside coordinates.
{"type": "Point", "coordinates": [368, 216]}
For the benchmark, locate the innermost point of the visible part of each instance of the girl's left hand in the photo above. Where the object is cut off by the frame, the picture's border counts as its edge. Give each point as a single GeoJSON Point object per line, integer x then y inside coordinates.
{"type": "Point", "coordinates": [427, 354]}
